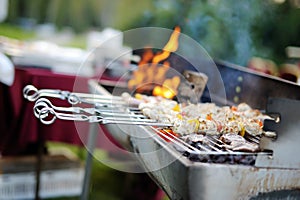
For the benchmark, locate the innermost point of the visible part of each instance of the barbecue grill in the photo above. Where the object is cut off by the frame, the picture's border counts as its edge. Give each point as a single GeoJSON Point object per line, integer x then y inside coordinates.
{"type": "Point", "coordinates": [276, 171]}
{"type": "Point", "coordinates": [275, 174]}
{"type": "Point", "coordinates": [207, 171]}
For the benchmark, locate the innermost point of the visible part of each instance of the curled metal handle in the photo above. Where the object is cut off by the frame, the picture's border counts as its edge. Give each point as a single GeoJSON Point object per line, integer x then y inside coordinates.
{"type": "Point", "coordinates": [31, 93]}
{"type": "Point", "coordinates": [45, 103]}
{"type": "Point", "coordinates": [48, 115]}
{"type": "Point", "coordinates": [74, 99]}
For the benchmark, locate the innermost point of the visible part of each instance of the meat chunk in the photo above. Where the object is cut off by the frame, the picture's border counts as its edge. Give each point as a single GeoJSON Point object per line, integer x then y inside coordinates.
{"type": "Point", "coordinates": [238, 143]}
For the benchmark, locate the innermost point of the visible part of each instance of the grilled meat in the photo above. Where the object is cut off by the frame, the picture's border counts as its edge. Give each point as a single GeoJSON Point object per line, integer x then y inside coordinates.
{"type": "Point", "coordinates": [238, 143]}
{"type": "Point", "coordinates": [204, 118]}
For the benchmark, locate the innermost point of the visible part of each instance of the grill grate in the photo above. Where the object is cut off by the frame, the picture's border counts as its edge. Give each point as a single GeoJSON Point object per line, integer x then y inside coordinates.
{"type": "Point", "coordinates": [212, 149]}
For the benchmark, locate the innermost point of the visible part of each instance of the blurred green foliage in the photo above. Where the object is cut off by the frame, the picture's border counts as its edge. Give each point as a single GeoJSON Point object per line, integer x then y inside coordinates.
{"type": "Point", "coordinates": [230, 30]}
{"type": "Point", "coordinates": [81, 15]}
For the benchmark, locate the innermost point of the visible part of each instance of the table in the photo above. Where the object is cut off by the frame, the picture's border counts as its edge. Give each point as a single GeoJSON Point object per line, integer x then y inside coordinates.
{"type": "Point", "coordinates": [22, 133]}
{"type": "Point", "coordinates": [20, 130]}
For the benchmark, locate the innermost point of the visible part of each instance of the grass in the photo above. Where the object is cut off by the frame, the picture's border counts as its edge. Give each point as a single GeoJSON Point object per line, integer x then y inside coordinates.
{"type": "Point", "coordinates": [15, 32]}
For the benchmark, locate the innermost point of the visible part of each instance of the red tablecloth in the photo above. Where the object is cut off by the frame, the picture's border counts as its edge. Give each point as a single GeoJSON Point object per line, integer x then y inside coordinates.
{"type": "Point", "coordinates": [20, 130]}
{"type": "Point", "coordinates": [18, 126]}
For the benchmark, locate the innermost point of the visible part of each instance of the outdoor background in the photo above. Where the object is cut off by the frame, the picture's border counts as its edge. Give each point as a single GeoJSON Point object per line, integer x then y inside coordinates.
{"type": "Point", "coordinates": [230, 30]}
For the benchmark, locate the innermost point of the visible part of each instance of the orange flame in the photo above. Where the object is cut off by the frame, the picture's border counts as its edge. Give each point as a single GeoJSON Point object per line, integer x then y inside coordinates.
{"type": "Point", "coordinates": [171, 46]}
{"type": "Point", "coordinates": [153, 72]}
{"type": "Point", "coordinates": [168, 88]}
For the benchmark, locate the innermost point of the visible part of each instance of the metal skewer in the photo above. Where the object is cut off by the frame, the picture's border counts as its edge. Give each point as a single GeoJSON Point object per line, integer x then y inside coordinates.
{"type": "Point", "coordinates": [31, 93]}
{"type": "Point", "coordinates": [48, 113]}
{"type": "Point", "coordinates": [43, 102]}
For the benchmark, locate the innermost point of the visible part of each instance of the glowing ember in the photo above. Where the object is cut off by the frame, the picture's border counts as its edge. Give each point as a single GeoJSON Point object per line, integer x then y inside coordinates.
{"type": "Point", "coordinates": [151, 72]}
{"type": "Point", "coordinates": [168, 88]}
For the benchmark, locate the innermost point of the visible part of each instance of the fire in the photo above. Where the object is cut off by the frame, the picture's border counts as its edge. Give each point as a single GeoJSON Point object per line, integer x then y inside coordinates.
{"type": "Point", "coordinates": [168, 88]}
{"type": "Point", "coordinates": [151, 72]}
{"type": "Point", "coordinates": [171, 46]}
